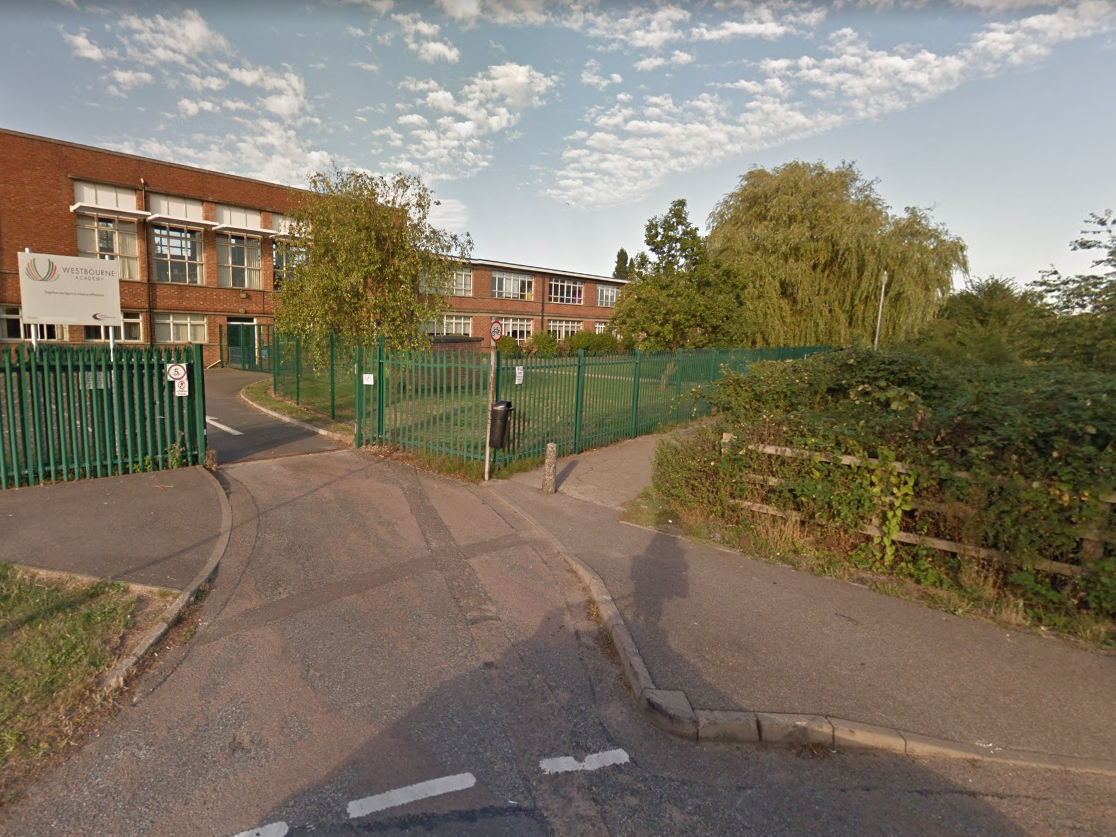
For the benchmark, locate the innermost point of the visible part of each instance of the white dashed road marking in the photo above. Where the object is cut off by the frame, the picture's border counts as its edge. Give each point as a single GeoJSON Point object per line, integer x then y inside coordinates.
{"type": "Point", "coordinates": [411, 793]}
{"type": "Point", "coordinates": [276, 829]}
{"type": "Point", "coordinates": [227, 429]}
{"type": "Point", "coordinates": [566, 764]}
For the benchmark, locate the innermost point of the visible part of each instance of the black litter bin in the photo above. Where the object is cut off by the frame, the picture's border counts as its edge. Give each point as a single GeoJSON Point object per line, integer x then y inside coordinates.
{"type": "Point", "coordinates": [498, 433]}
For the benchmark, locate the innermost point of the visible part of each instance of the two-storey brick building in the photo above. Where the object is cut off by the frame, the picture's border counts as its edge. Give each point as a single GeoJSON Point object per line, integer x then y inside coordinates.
{"type": "Point", "coordinates": [199, 250]}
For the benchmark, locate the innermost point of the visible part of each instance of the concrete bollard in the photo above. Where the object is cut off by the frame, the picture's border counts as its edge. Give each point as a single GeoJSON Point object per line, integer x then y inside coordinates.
{"type": "Point", "coordinates": [549, 468]}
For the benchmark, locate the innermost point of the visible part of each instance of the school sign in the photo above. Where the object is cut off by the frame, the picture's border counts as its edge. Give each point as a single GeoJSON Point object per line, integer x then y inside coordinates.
{"type": "Point", "coordinates": [69, 290]}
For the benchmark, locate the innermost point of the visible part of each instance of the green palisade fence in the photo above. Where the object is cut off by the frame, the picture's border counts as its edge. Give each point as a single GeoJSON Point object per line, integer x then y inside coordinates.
{"type": "Point", "coordinates": [436, 401]}
{"type": "Point", "coordinates": [70, 412]}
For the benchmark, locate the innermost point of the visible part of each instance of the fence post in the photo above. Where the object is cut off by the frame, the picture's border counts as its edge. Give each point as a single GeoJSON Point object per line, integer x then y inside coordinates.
{"type": "Point", "coordinates": [678, 385]}
{"type": "Point", "coordinates": [712, 365]}
{"type": "Point", "coordinates": [298, 370]}
{"type": "Point", "coordinates": [579, 397]}
{"type": "Point", "coordinates": [274, 361]}
{"type": "Point", "coordinates": [381, 390]}
{"type": "Point", "coordinates": [635, 394]}
{"type": "Point", "coordinates": [358, 398]}
{"type": "Point", "coordinates": [332, 382]}
{"type": "Point", "coordinates": [199, 401]}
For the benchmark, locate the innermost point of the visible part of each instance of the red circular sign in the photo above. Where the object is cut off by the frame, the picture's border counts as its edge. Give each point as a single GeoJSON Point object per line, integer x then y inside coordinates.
{"type": "Point", "coordinates": [496, 330]}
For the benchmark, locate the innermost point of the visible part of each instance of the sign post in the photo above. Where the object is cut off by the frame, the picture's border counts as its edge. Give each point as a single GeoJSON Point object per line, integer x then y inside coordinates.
{"type": "Point", "coordinates": [495, 331]}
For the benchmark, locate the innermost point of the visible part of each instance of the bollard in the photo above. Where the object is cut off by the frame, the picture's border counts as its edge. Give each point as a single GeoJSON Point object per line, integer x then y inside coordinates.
{"type": "Point", "coordinates": [549, 468]}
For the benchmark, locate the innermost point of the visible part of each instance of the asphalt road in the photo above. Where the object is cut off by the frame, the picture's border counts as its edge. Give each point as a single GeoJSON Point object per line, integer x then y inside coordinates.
{"type": "Point", "coordinates": [239, 433]}
{"type": "Point", "coordinates": [385, 652]}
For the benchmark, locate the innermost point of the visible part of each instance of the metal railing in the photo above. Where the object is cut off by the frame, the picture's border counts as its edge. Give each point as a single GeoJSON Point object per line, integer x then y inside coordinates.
{"type": "Point", "coordinates": [71, 412]}
{"type": "Point", "coordinates": [436, 402]}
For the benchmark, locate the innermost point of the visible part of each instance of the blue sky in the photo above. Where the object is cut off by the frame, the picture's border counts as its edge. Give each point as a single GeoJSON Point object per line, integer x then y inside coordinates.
{"type": "Point", "coordinates": [551, 130]}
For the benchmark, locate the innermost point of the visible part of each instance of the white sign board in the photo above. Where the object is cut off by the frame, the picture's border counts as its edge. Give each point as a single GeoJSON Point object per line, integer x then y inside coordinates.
{"type": "Point", "coordinates": [69, 290]}
{"type": "Point", "coordinates": [369, 379]}
{"type": "Point", "coordinates": [176, 372]}
{"type": "Point", "coordinates": [518, 375]}
{"type": "Point", "coordinates": [182, 387]}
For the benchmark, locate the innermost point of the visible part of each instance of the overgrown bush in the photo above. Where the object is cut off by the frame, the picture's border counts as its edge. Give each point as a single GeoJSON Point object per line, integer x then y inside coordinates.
{"type": "Point", "coordinates": [1008, 459]}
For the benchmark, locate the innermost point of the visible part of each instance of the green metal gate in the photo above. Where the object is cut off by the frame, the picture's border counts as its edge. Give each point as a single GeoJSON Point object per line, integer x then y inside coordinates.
{"type": "Point", "coordinates": [246, 346]}
{"type": "Point", "coordinates": [72, 412]}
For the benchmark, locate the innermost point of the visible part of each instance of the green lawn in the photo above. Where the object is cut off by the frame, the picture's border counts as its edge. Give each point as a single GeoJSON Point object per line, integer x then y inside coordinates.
{"type": "Point", "coordinates": [56, 636]}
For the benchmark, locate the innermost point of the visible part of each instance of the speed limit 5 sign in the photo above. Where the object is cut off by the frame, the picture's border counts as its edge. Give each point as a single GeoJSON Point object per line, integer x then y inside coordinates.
{"type": "Point", "coordinates": [176, 372]}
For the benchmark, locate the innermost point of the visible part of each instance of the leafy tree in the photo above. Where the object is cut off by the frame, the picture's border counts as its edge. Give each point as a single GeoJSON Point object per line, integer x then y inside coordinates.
{"type": "Point", "coordinates": [674, 300]}
{"type": "Point", "coordinates": [1085, 330]}
{"type": "Point", "coordinates": [991, 321]}
{"type": "Point", "coordinates": [804, 249]}
{"type": "Point", "coordinates": [373, 266]}
{"type": "Point", "coordinates": [623, 267]}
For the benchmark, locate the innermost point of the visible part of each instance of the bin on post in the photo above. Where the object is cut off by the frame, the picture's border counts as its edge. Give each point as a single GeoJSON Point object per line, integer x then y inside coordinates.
{"type": "Point", "coordinates": [498, 434]}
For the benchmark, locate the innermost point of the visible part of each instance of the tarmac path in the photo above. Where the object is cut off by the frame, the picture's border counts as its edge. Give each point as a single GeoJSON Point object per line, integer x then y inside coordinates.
{"type": "Point", "coordinates": [385, 652]}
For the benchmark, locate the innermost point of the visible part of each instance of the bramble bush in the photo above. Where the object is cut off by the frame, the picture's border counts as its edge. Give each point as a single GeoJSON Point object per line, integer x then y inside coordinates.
{"type": "Point", "coordinates": [1007, 458]}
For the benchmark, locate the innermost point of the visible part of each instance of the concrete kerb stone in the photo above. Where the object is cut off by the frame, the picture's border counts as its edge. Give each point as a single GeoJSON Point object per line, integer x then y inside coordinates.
{"type": "Point", "coordinates": [116, 676]}
{"type": "Point", "coordinates": [321, 431]}
{"type": "Point", "coordinates": [672, 712]}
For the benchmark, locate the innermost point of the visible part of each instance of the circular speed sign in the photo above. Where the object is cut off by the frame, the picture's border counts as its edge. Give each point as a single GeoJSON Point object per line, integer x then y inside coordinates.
{"type": "Point", "coordinates": [176, 372]}
{"type": "Point", "coordinates": [496, 330]}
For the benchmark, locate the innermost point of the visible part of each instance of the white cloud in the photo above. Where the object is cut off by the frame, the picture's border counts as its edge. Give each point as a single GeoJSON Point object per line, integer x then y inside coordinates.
{"type": "Point", "coordinates": [366, 65]}
{"type": "Point", "coordinates": [458, 142]}
{"type": "Point", "coordinates": [199, 83]}
{"type": "Point", "coordinates": [677, 59]}
{"type": "Point", "coordinates": [591, 76]}
{"type": "Point", "coordinates": [159, 41]}
{"type": "Point", "coordinates": [428, 50]}
{"type": "Point", "coordinates": [450, 214]}
{"type": "Point", "coordinates": [85, 48]}
{"type": "Point", "coordinates": [628, 148]}
{"type": "Point", "coordinates": [129, 79]}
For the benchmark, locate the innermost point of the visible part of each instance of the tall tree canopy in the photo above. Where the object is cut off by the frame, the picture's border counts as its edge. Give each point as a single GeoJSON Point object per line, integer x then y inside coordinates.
{"type": "Point", "coordinates": [674, 299]}
{"type": "Point", "coordinates": [622, 269]}
{"type": "Point", "coordinates": [805, 248]}
{"type": "Point", "coordinates": [370, 263]}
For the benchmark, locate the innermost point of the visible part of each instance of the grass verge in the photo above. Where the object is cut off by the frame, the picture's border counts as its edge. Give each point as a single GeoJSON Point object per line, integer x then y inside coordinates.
{"type": "Point", "coordinates": [825, 552]}
{"type": "Point", "coordinates": [57, 635]}
{"type": "Point", "coordinates": [260, 393]}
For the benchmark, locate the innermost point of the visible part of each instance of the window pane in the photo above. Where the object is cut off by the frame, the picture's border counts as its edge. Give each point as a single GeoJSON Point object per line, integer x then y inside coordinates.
{"type": "Point", "coordinates": [162, 331]}
{"type": "Point", "coordinates": [132, 330]}
{"type": "Point", "coordinates": [87, 240]}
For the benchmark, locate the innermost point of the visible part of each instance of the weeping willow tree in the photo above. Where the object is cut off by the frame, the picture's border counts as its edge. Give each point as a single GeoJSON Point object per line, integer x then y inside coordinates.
{"type": "Point", "coordinates": [367, 263]}
{"type": "Point", "coordinates": [806, 247]}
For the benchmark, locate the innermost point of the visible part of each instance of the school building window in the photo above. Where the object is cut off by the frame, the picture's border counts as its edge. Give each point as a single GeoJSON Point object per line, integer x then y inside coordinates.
{"type": "Point", "coordinates": [463, 282]}
{"type": "Point", "coordinates": [564, 291]}
{"type": "Point", "coordinates": [284, 257]}
{"type": "Point", "coordinates": [12, 327]}
{"type": "Point", "coordinates": [132, 330]}
{"type": "Point", "coordinates": [176, 254]}
{"type": "Point", "coordinates": [111, 239]}
{"type": "Point", "coordinates": [238, 261]}
{"type": "Point", "coordinates": [461, 326]}
{"type": "Point", "coordinates": [517, 328]}
{"type": "Point", "coordinates": [606, 296]}
{"type": "Point", "coordinates": [563, 328]}
{"type": "Point", "coordinates": [180, 328]}
{"type": "Point", "coordinates": [600, 328]}
{"type": "Point", "coordinates": [511, 285]}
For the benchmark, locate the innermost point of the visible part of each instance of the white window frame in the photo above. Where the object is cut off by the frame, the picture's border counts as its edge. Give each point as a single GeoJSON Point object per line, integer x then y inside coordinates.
{"type": "Point", "coordinates": [565, 291]}
{"type": "Point", "coordinates": [600, 328]}
{"type": "Point", "coordinates": [450, 324]}
{"type": "Point", "coordinates": [47, 332]}
{"type": "Point", "coordinates": [563, 328]}
{"type": "Point", "coordinates": [179, 209]}
{"type": "Point", "coordinates": [131, 318]}
{"type": "Point", "coordinates": [229, 271]}
{"type": "Point", "coordinates": [507, 285]}
{"type": "Point", "coordinates": [463, 282]}
{"type": "Point", "coordinates": [176, 234]}
{"type": "Point", "coordinates": [607, 295]}
{"type": "Point", "coordinates": [239, 217]}
{"type": "Point", "coordinates": [523, 326]}
{"type": "Point", "coordinates": [284, 257]}
{"type": "Point", "coordinates": [167, 322]}
{"type": "Point", "coordinates": [98, 225]}
{"type": "Point", "coordinates": [104, 196]}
